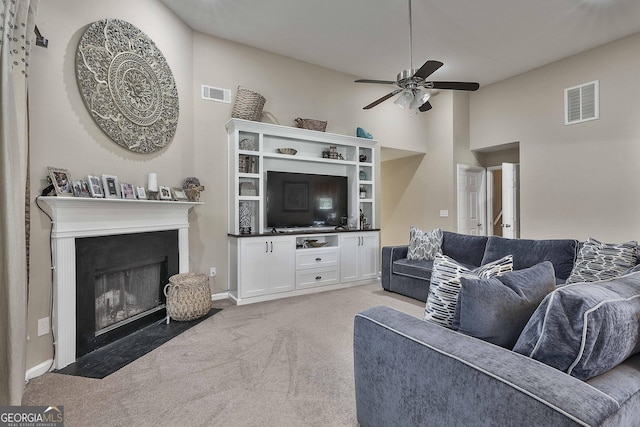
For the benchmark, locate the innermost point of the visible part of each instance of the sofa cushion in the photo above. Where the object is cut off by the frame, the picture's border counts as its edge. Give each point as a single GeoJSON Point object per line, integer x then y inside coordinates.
{"type": "Point", "coordinates": [527, 253]}
{"type": "Point", "coordinates": [464, 248]}
{"type": "Point", "coordinates": [445, 285]}
{"type": "Point", "coordinates": [424, 245]}
{"type": "Point", "coordinates": [420, 269]}
{"type": "Point", "coordinates": [585, 329]}
{"type": "Point", "coordinates": [600, 261]}
{"type": "Point", "coordinates": [497, 309]}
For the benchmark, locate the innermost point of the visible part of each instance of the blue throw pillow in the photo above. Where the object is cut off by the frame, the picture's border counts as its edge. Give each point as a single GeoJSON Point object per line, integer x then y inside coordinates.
{"type": "Point", "coordinates": [585, 329]}
{"type": "Point", "coordinates": [497, 309]}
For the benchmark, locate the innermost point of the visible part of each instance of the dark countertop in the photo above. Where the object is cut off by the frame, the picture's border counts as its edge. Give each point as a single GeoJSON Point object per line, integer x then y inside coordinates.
{"type": "Point", "coordinates": [300, 233]}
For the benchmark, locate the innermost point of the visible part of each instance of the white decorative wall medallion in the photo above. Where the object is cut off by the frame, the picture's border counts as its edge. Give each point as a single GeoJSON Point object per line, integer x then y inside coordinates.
{"type": "Point", "coordinates": [127, 85]}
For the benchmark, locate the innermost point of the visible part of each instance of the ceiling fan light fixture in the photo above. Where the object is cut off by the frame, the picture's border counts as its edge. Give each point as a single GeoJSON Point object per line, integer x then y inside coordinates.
{"type": "Point", "coordinates": [405, 99]}
{"type": "Point", "coordinates": [412, 99]}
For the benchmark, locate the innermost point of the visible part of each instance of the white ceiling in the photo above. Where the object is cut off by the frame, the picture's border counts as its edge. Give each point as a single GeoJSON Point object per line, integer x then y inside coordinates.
{"type": "Point", "coordinates": [478, 40]}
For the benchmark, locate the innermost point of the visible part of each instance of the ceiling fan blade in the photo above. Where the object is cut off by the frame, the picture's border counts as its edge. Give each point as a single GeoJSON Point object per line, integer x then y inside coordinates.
{"type": "Point", "coordinates": [384, 98]}
{"type": "Point", "coordinates": [456, 85]}
{"type": "Point", "coordinates": [427, 69]}
{"type": "Point", "coordinates": [425, 107]}
{"type": "Point", "coordinates": [384, 82]}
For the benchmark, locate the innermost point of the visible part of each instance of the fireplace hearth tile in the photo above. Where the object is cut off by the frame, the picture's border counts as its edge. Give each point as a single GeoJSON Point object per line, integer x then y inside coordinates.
{"type": "Point", "coordinates": [108, 359]}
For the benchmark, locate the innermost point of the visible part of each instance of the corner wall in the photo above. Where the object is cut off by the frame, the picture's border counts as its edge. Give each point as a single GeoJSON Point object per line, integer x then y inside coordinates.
{"type": "Point", "coordinates": [576, 181]}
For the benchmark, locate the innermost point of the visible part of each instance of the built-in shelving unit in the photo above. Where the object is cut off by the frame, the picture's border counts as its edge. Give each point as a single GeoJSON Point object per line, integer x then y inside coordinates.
{"type": "Point", "coordinates": [253, 150]}
{"type": "Point", "coordinates": [265, 265]}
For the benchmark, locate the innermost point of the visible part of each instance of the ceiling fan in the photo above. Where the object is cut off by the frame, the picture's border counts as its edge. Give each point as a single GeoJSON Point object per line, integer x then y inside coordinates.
{"type": "Point", "coordinates": [413, 83]}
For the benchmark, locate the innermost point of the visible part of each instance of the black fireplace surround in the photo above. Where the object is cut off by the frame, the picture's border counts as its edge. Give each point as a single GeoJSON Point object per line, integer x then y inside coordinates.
{"type": "Point", "coordinates": [121, 257]}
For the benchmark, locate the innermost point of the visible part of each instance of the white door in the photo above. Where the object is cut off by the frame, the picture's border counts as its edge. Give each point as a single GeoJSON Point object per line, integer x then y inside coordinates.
{"type": "Point", "coordinates": [510, 201]}
{"type": "Point", "coordinates": [471, 207]}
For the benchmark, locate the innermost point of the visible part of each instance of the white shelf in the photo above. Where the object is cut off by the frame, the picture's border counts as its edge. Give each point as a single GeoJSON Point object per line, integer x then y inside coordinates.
{"type": "Point", "coordinates": [311, 149]}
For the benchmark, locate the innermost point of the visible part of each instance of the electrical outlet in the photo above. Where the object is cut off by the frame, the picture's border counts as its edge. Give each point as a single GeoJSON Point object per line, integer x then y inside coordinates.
{"type": "Point", "coordinates": [43, 326]}
{"type": "Point", "coordinates": [212, 272]}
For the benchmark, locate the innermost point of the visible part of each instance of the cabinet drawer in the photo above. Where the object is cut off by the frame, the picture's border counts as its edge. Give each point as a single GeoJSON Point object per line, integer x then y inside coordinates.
{"type": "Point", "coordinates": [315, 258]}
{"type": "Point", "coordinates": [316, 277]}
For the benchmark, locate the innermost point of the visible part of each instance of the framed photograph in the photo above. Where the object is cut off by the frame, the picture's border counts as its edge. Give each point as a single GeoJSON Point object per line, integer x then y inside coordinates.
{"type": "Point", "coordinates": [127, 191]}
{"type": "Point", "coordinates": [81, 189]}
{"type": "Point", "coordinates": [95, 186]}
{"type": "Point", "coordinates": [165, 193]}
{"type": "Point", "coordinates": [142, 195]}
{"type": "Point", "coordinates": [61, 181]}
{"type": "Point", "coordinates": [111, 186]}
{"type": "Point", "coordinates": [178, 194]}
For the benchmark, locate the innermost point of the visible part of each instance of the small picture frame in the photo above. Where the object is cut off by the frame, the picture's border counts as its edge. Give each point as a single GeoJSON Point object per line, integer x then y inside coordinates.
{"type": "Point", "coordinates": [61, 180]}
{"type": "Point", "coordinates": [81, 189]}
{"type": "Point", "coordinates": [165, 193]}
{"type": "Point", "coordinates": [179, 194]}
{"type": "Point", "coordinates": [127, 191]}
{"type": "Point", "coordinates": [142, 195]}
{"type": "Point", "coordinates": [95, 186]}
{"type": "Point", "coordinates": [111, 186]}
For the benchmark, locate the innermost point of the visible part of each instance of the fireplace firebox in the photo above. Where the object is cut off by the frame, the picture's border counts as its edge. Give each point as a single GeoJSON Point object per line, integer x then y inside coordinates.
{"type": "Point", "coordinates": [119, 284]}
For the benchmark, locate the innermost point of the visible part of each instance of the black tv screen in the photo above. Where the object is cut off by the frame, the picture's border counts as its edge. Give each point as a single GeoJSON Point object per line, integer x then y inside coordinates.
{"type": "Point", "coordinates": [305, 200]}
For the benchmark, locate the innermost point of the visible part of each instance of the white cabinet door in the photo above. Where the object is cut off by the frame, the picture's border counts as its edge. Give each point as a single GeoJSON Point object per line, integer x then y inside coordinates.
{"type": "Point", "coordinates": [359, 256]}
{"type": "Point", "coordinates": [267, 265]}
{"type": "Point", "coordinates": [368, 255]}
{"type": "Point", "coordinates": [349, 263]}
{"type": "Point", "coordinates": [281, 264]}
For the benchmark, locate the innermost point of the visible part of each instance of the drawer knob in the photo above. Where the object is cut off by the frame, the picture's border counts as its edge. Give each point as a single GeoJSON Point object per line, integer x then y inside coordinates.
{"type": "Point", "coordinates": [318, 259]}
{"type": "Point", "coordinates": [318, 277]}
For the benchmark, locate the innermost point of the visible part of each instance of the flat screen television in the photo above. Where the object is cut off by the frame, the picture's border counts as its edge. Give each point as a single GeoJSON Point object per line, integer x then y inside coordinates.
{"type": "Point", "coordinates": [305, 200]}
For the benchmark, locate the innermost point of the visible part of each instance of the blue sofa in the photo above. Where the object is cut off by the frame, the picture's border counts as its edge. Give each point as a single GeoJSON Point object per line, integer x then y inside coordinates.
{"type": "Point", "coordinates": [412, 278]}
{"type": "Point", "coordinates": [409, 372]}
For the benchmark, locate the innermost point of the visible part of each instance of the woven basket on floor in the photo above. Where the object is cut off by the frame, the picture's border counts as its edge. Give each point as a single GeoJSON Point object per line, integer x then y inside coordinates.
{"type": "Point", "coordinates": [188, 296]}
{"type": "Point", "coordinates": [248, 105]}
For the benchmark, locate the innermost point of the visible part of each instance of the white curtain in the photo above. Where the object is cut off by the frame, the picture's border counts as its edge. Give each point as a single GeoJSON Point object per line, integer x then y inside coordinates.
{"type": "Point", "coordinates": [17, 38]}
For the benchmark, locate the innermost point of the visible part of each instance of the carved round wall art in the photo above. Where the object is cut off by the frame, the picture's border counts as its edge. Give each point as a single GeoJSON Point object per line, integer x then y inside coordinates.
{"type": "Point", "coordinates": [127, 86]}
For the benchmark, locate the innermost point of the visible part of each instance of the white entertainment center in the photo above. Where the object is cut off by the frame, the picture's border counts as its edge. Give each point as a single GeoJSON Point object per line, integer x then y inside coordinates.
{"type": "Point", "coordinates": [267, 263]}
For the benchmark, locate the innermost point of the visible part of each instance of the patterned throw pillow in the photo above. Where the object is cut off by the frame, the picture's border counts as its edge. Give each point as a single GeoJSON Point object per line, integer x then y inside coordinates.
{"type": "Point", "coordinates": [424, 245]}
{"type": "Point", "coordinates": [445, 285]}
{"type": "Point", "coordinates": [601, 261]}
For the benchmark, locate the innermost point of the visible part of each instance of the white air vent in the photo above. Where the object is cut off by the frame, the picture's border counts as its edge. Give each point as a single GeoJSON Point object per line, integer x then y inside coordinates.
{"type": "Point", "coordinates": [581, 103]}
{"type": "Point", "coordinates": [216, 94]}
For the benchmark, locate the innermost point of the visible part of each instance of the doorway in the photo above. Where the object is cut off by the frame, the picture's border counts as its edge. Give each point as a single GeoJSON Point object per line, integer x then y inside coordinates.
{"type": "Point", "coordinates": [489, 201]}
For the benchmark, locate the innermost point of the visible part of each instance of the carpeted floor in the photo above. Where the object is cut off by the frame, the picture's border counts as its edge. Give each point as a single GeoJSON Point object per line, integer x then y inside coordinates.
{"type": "Point", "coordinates": [280, 363]}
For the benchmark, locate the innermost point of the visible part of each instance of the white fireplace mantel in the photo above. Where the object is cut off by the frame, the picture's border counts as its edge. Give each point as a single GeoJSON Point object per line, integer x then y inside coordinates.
{"type": "Point", "coordinates": [76, 217]}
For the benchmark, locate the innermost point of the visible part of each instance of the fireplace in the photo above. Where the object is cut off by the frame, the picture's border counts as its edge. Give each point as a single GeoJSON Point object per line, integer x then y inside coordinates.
{"type": "Point", "coordinates": [76, 218]}
{"type": "Point", "coordinates": [119, 284]}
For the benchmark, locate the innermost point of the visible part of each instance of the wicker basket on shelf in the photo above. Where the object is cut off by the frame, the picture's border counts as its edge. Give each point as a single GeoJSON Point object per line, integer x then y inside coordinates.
{"type": "Point", "coordinates": [311, 124]}
{"type": "Point", "coordinates": [248, 105]}
{"type": "Point", "coordinates": [188, 296]}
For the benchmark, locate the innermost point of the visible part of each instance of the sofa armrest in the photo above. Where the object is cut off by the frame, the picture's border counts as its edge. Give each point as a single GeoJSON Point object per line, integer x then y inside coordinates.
{"type": "Point", "coordinates": [409, 372]}
{"type": "Point", "coordinates": [389, 255]}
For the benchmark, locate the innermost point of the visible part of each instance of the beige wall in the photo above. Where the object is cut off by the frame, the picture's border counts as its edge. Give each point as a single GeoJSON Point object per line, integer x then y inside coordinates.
{"type": "Point", "coordinates": [415, 189]}
{"type": "Point", "coordinates": [64, 135]}
{"type": "Point", "coordinates": [576, 181]}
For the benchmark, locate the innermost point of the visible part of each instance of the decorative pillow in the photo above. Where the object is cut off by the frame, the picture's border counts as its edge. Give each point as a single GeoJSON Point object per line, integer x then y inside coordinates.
{"type": "Point", "coordinates": [585, 329]}
{"type": "Point", "coordinates": [445, 285]}
{"type": "Point", "coordinates": [497, 309]}
{"type": "Point", "coordinates": [424, 245]}
{"type": "Point", "coordinates": [600, 261]}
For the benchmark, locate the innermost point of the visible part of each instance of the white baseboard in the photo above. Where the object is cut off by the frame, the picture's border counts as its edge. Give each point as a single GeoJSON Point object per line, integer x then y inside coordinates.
{"type": "Point", "coordinates": [219, 296]}
{"type": "Point", "coordinates": [38, 370]}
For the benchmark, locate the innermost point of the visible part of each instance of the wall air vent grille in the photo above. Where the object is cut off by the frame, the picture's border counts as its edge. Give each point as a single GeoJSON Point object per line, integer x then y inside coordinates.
{"type": "Point", "coordinates": [216, 94]}
{"type": "Point", "coordinates": [581, 103]}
